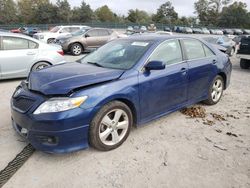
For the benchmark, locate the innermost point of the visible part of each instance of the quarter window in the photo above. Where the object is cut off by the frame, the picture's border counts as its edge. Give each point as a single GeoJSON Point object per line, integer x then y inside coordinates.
{"type": "Point", "coordinates": [208, 52]}
{"type": "Point", "coordinates": [194, 49]}
{"type": "Point", "coordinates": [168, 52]}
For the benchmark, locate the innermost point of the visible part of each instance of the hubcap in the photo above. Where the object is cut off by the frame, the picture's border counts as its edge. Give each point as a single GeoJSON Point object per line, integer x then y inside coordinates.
{"type": "Point", "coordinates": [217, 90]}
{"type": "Point", "coordinates": [114, 126]}
{"type": "Point", "coordinates": [77, 49]}
{"type": "Point", "coordinates": [41, 66]}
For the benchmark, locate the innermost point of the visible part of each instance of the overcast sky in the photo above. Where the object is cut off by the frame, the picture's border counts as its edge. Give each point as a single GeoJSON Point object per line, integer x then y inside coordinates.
{"type": "Point", "coordinates": [183, 7]}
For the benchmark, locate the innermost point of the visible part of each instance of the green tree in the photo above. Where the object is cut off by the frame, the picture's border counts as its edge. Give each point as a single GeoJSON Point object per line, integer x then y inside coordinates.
{"type": "Point", "coordinates": [84, 13]}
{"type": "Point", "coordinates": [138, 16]}
{"type": "Point", "coordinates": [166, 14]}
{"type": "Point", "coordinates": [46, 13]}
{"type": "Point", "coordinates": [8, 12]}
{"type": "Point", "coordinates": [105, 14]}
{"type": "Point", "coordinates": [235, 15]}
{"type": "Point", "coordinates": [64, 12]}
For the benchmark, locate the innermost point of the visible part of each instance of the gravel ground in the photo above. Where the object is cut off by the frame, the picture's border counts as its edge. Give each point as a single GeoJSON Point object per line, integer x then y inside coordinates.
{"type": "Point", "coordinates": [174, 151]}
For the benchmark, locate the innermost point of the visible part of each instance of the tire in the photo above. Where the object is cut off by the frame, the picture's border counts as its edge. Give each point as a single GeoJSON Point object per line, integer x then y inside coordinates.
{"type": "Point", "coordinates": [76, 49]}
{"type": "Point", "coordinates": [39, 66]}
{"type": "Point", "coordinates": [104, 133]}
{"type": "Point", "coordinates": [244, 64]}
{"type": "Point", "coordinates": [215, 91]}
{"type": "Point", "coordinates": [51, 41]}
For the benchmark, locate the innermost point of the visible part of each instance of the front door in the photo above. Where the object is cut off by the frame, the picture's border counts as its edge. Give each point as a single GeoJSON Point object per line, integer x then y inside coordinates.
{"type": "Point", "coordinates": [164, 90]}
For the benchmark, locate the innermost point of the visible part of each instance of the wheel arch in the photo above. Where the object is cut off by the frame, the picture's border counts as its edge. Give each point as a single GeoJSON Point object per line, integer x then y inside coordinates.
{"type": "Point", "coordinates": [40, 62]}
{"type": "Point", "coordinates": [224, 76]}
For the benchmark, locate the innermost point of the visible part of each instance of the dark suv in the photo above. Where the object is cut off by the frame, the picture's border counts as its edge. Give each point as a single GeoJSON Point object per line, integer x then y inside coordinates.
{"type": "Point", "coordinates": [244, 52]}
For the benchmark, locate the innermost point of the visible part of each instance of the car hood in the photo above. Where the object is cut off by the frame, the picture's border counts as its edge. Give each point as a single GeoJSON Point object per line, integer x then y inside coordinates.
{"type": "Point", "coordinates": [62, 79]}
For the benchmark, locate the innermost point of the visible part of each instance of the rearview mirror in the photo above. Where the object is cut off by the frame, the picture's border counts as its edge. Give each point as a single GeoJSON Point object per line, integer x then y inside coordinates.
{"type": "Point", "coordinates": [155, 65]}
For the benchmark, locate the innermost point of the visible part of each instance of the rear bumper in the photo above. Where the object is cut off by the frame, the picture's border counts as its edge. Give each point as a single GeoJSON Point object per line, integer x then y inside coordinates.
{"type": "Point", "coordinates": [243, 56]}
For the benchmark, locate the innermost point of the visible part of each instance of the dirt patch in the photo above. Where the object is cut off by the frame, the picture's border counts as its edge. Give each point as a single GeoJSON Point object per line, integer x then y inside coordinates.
{"type": "Point", "coordinates": [194, 112]}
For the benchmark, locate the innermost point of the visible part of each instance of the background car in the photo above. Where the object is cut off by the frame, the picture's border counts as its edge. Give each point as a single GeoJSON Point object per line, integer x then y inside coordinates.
{"type": "Point", "coordinates": [224, 41]}
{"type": "Point", "coordinates": [168, 29]}
{"type": "Point", "coordinates": [205, 30]}
{"type": "Point", "coordinates": [218, 32]}
{"type": "Point", "coordinates": [30, 31]}
{"type": "Point", "coordinates": [187, 30]}
{"type": "Point", "coordinates": [49, 37]}
{"type": "Point", "coordinates": [238, 32]}
{"type": "Point", "coordinates": [244, 52]}
{"type": "Point", "coordinates": [228, 32]}
{"type": "Point", "coordinates": [4, 30]}
{"type": "Point", "coordinates": [197, 31]}
{"type": "Point", "coordinates": [152, 28]}
{"type": "Point", "coordinates": [246, 31]}
{"type": "Point", "coordinates": [91, 38]}
{"type": "Point", "coordinates": [20, 54]}
{"type": "Point", "coordinates": [143, 29]}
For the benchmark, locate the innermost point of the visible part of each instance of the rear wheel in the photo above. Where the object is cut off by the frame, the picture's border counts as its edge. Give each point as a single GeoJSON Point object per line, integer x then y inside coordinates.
{"type": "Point", "coordinates": [111, 126]}
{"type": "Point", "coordinates": [39, 66]}
{"type": "Point", "coordinates": [215, 91]}
{"type": "Point", "coordinates": [244, 64]}
{"type": "Point", "coordinates": [76, 49]}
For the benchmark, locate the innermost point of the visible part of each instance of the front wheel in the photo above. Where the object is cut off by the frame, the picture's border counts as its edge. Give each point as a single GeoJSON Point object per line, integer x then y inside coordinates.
{"type": "Point", "coordinates": [76, 49]}
{"type": "Point", "coordinates": [111, 126]}
{"type": "Point", "coordinates": [215, 91]}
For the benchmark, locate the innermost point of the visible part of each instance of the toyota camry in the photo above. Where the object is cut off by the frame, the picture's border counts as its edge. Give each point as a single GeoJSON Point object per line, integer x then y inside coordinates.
{"type": "Point", "coordinates": [125, 83]}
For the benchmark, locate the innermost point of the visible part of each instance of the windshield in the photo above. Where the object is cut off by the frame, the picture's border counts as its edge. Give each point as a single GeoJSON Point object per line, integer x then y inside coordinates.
{"type": "Point", "coordinates": [119, 54]}
{"type": "Point", "coordinates": [80, 32]}
{"type": "Point", "coordinates": [55, 29]}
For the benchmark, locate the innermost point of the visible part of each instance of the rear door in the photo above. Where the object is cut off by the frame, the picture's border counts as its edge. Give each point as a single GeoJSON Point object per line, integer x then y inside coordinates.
{"type": "Point", "coordinates": [16, 56]}
{"type": "Point", "coordinates": [202, 68]}
{"type": "Point", "coordinates": [104, 36]}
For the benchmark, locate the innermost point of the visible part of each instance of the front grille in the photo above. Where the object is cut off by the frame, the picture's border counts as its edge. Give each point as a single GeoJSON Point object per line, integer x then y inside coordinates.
{"type": "Point", "coordinates": [23, 104]}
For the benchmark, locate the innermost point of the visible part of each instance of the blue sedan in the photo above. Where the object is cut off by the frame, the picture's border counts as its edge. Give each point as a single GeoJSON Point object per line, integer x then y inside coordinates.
{"type": "Point", "coordinates": [127, 82]}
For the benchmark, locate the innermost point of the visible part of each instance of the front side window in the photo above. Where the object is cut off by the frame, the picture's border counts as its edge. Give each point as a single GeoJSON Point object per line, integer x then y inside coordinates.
{"type": "Point", "coordinates": [14, 43]}
{"type": "Point", "coordinates": [194, 49]}
{"type": "Point", "coordinates": [168, 52]}
{"type": "Point", "coordinates": [93, 33]}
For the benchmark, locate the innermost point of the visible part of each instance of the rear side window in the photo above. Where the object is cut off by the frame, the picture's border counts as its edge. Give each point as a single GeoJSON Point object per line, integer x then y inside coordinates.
{"type": "Point", "coordinates": [194, 49]}
{"type": "Point", "coordinates": [103, 32]}
{"type": "Point", "coordinates": [208, 52]}
{"type": "Point", "coordinates": [74, 29]}
{"type": "Point", "coordinates": [168, 52]}
{"type": "Point", "coordinates": [14, 43]}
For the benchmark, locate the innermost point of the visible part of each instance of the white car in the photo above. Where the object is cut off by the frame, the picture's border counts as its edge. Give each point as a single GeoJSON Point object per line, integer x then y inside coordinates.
{"type": "Point", "coordinates": [20, 54]}
{"type": "Point", "coordinates": [58, 31]}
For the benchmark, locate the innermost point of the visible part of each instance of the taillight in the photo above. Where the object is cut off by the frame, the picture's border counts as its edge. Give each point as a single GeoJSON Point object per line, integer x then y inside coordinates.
{"type": "Point", "coordinates": [60, 52]}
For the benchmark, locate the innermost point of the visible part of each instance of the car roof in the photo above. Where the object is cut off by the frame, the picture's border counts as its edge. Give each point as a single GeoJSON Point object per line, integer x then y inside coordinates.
{"type": "Point", "coordinates": [9, 34]}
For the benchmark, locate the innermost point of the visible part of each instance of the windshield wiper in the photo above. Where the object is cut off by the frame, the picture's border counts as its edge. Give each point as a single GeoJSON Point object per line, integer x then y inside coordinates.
{"type": "Point", "coordinates": [96, 64]}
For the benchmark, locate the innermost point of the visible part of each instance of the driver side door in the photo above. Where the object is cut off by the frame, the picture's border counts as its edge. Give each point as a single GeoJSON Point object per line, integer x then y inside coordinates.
{"type": "Point", "coordinates": [162, 91]}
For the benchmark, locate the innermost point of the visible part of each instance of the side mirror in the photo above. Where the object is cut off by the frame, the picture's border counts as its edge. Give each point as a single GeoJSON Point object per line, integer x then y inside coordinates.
{"type": "Point", "coordinates": [155, 65]}
{"type": "Point", "coordinates": [87, 35]}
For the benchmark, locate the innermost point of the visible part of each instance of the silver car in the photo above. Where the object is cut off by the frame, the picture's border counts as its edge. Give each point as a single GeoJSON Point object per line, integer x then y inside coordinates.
{"type": "Point", "coordinates": [20, 54]}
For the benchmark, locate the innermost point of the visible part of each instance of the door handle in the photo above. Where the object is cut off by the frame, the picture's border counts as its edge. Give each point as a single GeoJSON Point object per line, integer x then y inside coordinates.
{"type": "Point", "coordinates": [214, 61]}
{"type": "Point", "coordinates": [31, 53]}
{"type": "Point", "coordinates": [184, 70]}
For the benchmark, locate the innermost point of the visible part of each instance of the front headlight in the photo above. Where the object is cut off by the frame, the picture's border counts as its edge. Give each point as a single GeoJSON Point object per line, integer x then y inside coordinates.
{"type": "Point", "coordinates": [60, 104]}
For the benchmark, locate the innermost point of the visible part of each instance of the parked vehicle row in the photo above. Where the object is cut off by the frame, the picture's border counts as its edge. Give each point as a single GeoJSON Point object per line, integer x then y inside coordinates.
{"type": "Point", "coordinates": [244, 52]}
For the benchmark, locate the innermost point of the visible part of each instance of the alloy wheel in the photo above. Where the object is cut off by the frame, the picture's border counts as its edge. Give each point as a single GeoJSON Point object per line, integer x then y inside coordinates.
{"type": "Point", "coordinates": [217, 90]}
{"type": "Point", "coordinates": [114, 126]}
